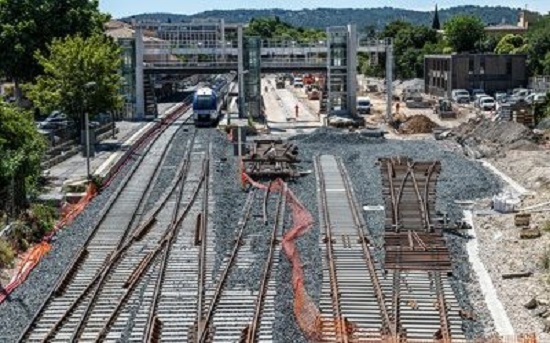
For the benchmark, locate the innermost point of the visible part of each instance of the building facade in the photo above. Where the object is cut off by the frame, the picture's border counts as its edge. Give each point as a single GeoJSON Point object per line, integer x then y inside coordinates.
{"type": "Point", "coordinates": [491, 72]}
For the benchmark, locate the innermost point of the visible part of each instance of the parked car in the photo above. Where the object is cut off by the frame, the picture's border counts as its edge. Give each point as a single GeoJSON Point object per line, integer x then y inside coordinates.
{"type": "Point", "coordinates": [477, 97]}
{"type": "Point", "coordinates": [298, 82]}
{"type": "Point", "coordinates": [487, 103]}
{"type": "Point", "coordinates": [521, 92]}
{"type": "Point", "coordinates": [501, 97]}
{"type": "Point", "coordinates": [56, 120]}
{"type": "Point", "coordinates": [476, 92]}
{"type": "Point", "coordinates": [535, 98]}
{"type": "Point", "coordinates": [363, 105]}
{"type": "Point", "coordinates": [460, 96]}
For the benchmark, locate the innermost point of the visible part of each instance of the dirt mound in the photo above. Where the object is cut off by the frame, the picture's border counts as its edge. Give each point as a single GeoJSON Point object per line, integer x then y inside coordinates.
{"type": "Point", "coordinates": [485, 138]}
{"type": "Point", "coordinates": [417, 124]}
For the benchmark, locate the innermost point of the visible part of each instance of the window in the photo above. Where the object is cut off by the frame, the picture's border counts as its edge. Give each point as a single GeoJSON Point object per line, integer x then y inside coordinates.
{"type": "Point", "coordinates": [471, 65]}
{"type": "Point", "coordinates": [482, 65]}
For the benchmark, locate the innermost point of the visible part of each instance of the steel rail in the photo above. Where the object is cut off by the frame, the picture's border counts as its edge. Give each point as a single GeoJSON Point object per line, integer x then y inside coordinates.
{"type": "Point", "coordinates": [119, 254]}
{"type": "Point", "coordinates": [202, 255]}
{"type": "Point", "coordinates": [426, 195]}
{"type": "Point", "coordinates": [152, 328]}
{"type": "Point", "coordinates": [341, 335]}
{"type": "Point", "coordinates": [421, 203]}
{"type": "Point", "coordinates": [83, 253]}
{"type": "Point", "coordinates": [442, 307]}
{"type": "Point", "coordinates": [387, 327]}
{"type": "Point", "coordinates": [204, 321]}
{"type": "Point", "coordinates": [252, 329]}
{"type": "Point", "coordinates": [395, 208]}
{"type": "Point", "coordinates": [161, 245]}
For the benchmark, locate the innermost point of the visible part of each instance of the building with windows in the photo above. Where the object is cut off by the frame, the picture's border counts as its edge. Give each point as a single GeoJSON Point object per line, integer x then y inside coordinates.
{"type": "Point", "coordinates": [491, 72]}
{"type": "Point", "coordinates": [520, 28]}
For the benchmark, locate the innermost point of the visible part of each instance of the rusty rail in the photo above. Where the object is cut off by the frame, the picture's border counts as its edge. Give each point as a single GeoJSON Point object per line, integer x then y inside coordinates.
{"type": "Point", "coordinates": [204, 321]}
{"type": "Point", "coordinates": [387, 329]}
{"type": "Point", "coordinates": [341, 335]}
{"type": "Point", "coordinates": [251, 331]}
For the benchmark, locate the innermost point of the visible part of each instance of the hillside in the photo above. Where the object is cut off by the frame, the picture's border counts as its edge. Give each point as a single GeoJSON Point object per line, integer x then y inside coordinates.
{"type": "Point", "coordinates": [323, 17]}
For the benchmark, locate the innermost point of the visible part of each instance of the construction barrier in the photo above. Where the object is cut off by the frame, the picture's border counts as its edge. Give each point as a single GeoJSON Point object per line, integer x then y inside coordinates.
{"type": "Point", "coordinates": [33, 256]}
{"type": "Point", "coordinates": [306, 312]}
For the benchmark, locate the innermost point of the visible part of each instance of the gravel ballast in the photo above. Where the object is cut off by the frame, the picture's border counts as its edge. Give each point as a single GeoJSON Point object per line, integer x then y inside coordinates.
{"type": "Point", "coordinates": [460, 179]}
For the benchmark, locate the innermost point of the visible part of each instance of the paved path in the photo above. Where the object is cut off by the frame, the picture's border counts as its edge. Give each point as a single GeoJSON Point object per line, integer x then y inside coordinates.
{"type": "Point", "coordinates": [280, 111]}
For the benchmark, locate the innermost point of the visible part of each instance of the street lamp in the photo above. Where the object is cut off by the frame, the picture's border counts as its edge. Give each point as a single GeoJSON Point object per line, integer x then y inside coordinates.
{"type": "Point", "coordinates": [88, 86]}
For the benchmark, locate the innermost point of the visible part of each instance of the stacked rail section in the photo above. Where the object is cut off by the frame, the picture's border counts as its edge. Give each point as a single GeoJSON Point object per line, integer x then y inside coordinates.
{"type": "Point", "coordinates": [399, 299]}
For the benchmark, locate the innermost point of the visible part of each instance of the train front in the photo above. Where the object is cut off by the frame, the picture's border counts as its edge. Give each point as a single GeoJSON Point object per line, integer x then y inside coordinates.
{"type": "Point", "coordinates": [205, 107]}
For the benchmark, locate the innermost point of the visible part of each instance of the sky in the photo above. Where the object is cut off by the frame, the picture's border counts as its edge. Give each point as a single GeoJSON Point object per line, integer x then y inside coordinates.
{"type": "Point", "coordinates": [122, 8]}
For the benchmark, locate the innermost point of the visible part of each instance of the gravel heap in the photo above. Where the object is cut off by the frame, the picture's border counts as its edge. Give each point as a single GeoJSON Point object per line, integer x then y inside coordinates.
{"type": "Point", "coordinates": [417, 124]}
{"type": "Point", "coordinates": [485, 138]}
{"type": "Point", "coordinates": [460, 179]}
{"type": "Point", "coordinates": [19, 309]}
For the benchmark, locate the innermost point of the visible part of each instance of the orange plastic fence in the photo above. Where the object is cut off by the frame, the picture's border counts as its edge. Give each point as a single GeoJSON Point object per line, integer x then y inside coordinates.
{"type": "Point", "coordinates": [306, 312]}
{"type": "Point", "coordinates": [31, 258]}
{"type": "Point", "coordinates": [308, 316]}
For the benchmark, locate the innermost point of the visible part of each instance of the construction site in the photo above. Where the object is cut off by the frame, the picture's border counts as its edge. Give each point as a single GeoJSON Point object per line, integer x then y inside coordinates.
{"type": "Point", "coordinates": [319, 206]}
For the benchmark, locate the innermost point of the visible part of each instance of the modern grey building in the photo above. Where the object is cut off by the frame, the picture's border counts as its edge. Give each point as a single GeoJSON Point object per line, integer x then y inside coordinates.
{"type": "Point", "coordinates": [491, 72]}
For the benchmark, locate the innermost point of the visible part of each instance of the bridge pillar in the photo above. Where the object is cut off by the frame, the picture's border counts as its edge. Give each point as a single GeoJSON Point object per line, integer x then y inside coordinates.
{"type": "Point", "coordinates": [240, 72]}
{"type": "Point", "coordinates": [249, 73]}
{"type": "Point", "coordinates": [389, 81]}
{"type": "Point", "coordinates": [342, 70]}
{"type": "Point", "coordinates": [352, 70]}
{"type": "Point", "coordinates": [140, 91]}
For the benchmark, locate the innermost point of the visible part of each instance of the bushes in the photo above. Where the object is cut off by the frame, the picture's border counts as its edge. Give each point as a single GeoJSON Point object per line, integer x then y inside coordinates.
{"type": "Point", "coordinates": [32, 226]}
{"type": "Point", "coordinates": [7, 254]}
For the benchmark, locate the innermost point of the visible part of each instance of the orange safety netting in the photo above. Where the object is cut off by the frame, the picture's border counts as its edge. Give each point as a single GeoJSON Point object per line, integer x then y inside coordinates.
{"type": "Point", "coordinates": [306, 312]}
{"type": "Point", "coordinates": [33, 256]}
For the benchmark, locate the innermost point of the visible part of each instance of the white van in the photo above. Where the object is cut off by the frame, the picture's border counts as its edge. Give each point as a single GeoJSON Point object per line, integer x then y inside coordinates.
{"type": "Point", "coordinates": [363, 105]}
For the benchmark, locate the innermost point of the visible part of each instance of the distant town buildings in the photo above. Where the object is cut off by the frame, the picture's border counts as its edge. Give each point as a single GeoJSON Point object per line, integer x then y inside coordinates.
{"type": "Point", "coordinates": [524, 18]}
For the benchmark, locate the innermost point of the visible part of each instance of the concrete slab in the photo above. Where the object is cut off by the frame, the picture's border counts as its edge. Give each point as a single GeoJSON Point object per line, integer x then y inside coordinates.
{"type": "Point", "coordinates": [280, 110]}
{"type": "Point", "coordinates": [503, 325]}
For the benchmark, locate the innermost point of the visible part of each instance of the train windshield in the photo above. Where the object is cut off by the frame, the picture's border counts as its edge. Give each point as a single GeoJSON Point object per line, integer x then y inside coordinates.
{"type": "Point", "coordinates": [204, 102]}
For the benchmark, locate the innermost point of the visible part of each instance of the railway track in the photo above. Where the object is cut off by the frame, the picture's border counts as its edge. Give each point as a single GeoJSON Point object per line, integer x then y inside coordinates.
{"type": "Point", "coordinates": [237, 312]}
{"type": "Point", "coordinates": [60, 318]}
{"type": "Point", "coordinates": [361, 301]}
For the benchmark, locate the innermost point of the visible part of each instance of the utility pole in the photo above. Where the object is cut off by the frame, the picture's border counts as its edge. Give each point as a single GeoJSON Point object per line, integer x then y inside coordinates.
{"type": "Point", "coordinates": [389, 79]}
{"type": "Point", "coordinates": [89, 86]}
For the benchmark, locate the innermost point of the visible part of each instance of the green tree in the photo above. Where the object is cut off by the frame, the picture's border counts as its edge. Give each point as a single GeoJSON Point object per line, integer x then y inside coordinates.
{"type": "Point", "coordinates": [393, 28]}
{"type": "Point", "coordinates": [273, 27]}
{"type": "Point", "coordinates": [512, 44]}
{"type": "Point", "coordinates": [69, 64]}
{"type": "Point", "coordinates": [464, 32]}
{"type": "Point", "coordinates": [21, 150]}
{"type": "Point", "coordinates": [539, 46]}
{"type": "Point", "coordinates": [27, 26]}
{"type": "Point", "coordinates": [410, 45]}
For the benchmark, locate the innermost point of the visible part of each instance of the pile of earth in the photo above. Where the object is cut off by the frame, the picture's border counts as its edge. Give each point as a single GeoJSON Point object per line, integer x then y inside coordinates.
{"type": "Point", "coordinates": [417, 124]}
{"type": "Point", "coordinates": [481, 137]}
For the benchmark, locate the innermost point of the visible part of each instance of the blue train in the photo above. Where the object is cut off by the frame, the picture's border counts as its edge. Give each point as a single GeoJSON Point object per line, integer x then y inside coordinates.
{"type": "Point", "coordinates": [209, 101]}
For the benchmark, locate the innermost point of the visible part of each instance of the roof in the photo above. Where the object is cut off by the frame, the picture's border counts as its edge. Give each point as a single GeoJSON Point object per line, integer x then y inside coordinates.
{"type": "Point", "coordinates": [505, 27]}
{"type": "Point", "coordinates": [448, 56]}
